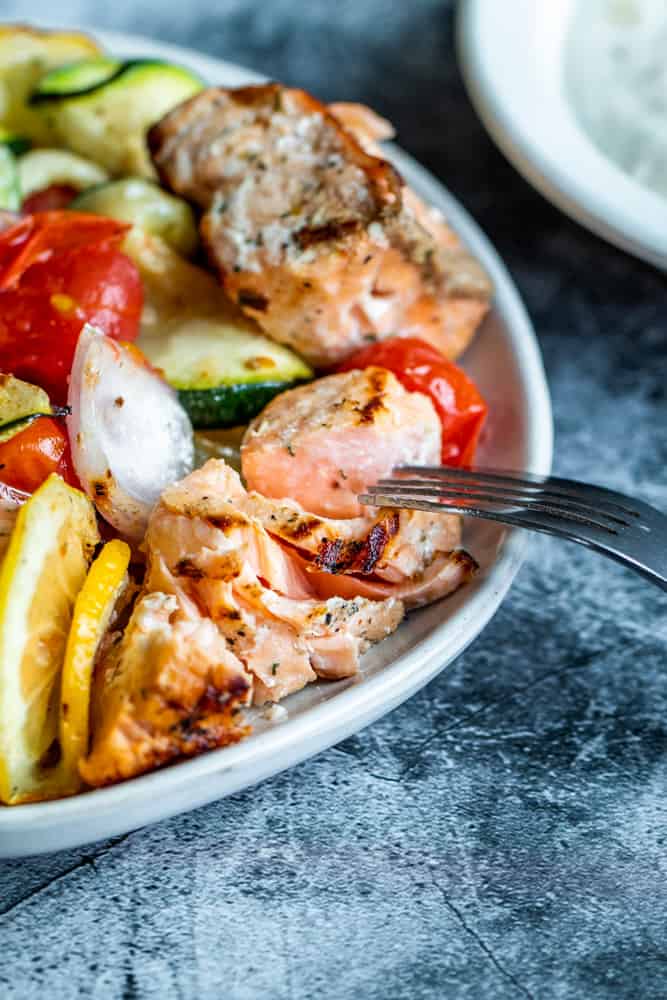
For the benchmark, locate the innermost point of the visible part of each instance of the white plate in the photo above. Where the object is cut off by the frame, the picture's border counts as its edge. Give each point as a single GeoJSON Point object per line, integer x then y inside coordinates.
{"type": "Point", "coordinates": [506, 362]}
{"type": "Point", "coordinates": [512, 56]}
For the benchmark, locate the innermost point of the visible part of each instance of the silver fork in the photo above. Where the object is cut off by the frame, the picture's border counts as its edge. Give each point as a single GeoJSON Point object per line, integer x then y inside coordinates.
{"type": "Point", "coordinates": [627, 530]}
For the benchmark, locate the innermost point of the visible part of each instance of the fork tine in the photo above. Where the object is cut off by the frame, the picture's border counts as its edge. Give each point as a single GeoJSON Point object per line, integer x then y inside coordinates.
{"type": "Point", "coordinates": [445, 500]}
{"type": "Point", "coordinates": [548, 522]}
{"type": "Point", "coordinates": [387, 500]}
{"type": "Point", "coordinates": [577, 512]}
{"type": "Point", "coordinates": [529, 481]}
{"type": "Point", "coordinates": [516, 492]}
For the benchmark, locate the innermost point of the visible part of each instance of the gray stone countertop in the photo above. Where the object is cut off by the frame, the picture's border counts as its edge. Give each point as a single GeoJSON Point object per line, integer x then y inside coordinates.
{"type": "Point", "coordinates": [503, 833]}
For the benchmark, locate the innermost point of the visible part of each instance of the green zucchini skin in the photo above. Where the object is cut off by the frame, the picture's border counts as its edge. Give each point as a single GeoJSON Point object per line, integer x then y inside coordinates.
{"type": "Point", "coordinates": [230, 405]}
{"type": "Point", "coordinates": [224, 370]}
{"type": "Point", "coordinates": [18, 144]}
{"type": "Point", "coordinates": [102, 108]}
{"type": "Point", "coordinates": [64, 82]}
{"type": "Point", "coordinates": [14, 427]}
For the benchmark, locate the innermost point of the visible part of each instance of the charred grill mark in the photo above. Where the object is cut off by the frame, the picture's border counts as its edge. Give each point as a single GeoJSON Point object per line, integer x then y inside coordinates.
{"type": "Point", "coordinates": [232, 614]}
{"type": "Point", "coordinates": [187, 567]}
{"type": "Point", "coordinates": [378, 538]}
{"type": "Point", "coordinates": [225, 522]}
{"type": "Point", "coordinates": [263, 93]}
{"type": "Point", "coordinates": [225, 568]}
{"type": "Point", "coordinates": [100, 489]}
{"type": "Point", "coordinates": [238, 686]}
{"type": "Point", "coordinates": [248, 299]}
{"type": "Point", "coordinates": [377, 379]}
{"type": "Point", "coordinates": [303, 529]}
{"type": "Point", "coordinates": [213, 721]}
{"type": "Point", "coordinates": [213, 699]}
{"type": "Point", "coordinates": [360, 556]}
{"type": "Point", "coordinates": [329, 556]}
{"type": "Point", "coordinates": [311, 235]}
{"type": "Point", "coordinates": [195, 736]}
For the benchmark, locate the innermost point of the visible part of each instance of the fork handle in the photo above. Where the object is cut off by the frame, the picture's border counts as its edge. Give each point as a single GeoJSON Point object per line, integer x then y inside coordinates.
{"type": "Point", "coordinates": [643, 556]}
{"type": "Point", "coordinates": [647, 558]}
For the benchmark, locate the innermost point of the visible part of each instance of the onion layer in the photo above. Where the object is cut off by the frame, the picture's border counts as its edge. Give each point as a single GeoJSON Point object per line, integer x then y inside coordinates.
{"type": "Point", "coordinates": [130, 436]}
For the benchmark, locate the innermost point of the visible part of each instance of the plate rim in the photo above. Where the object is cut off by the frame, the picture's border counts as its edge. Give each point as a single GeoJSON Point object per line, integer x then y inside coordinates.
{"type": "Point", "coordinates": [588, 186]}
{"type": "Point", "coordinates": [45, 827]}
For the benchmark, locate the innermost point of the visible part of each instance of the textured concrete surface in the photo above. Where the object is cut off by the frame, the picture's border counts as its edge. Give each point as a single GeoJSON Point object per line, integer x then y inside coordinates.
{"type": "Point", "coordinates": [503, 833]}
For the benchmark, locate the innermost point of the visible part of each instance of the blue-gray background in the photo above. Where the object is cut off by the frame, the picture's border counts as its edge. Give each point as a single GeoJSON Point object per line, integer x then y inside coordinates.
{"type": "Point", "coordinates": [503, 833]}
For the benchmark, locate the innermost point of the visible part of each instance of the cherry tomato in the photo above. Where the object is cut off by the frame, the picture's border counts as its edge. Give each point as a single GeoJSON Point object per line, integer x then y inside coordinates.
{"type": "Point", "coordinates": [29, 457]}
{"type": "Point", "coordinates": [421, 368]}
{"type": "Point", "coordinates": [49, 199]}
{"type": "Point", "coordinates": [45, 235]}
{"type": "Point", "coordinates": [59, 270]}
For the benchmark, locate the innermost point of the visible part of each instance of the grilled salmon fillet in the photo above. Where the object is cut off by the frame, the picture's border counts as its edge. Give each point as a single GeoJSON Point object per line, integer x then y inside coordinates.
{"type": "Point", "coordinates": [210, 552]}
{"type": "Point", "coordinates": [313, 233]}
{"type": "Point", "coordinates": [323, 443]}
{"type": "Point", "coordinates": [168, 687]}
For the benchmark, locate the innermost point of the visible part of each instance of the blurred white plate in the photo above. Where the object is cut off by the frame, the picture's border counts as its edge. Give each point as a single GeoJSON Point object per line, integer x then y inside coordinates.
{"type": "Point", "coordinates": [512, 57]}
{"type": "Point", "coordinates": [506, 363]}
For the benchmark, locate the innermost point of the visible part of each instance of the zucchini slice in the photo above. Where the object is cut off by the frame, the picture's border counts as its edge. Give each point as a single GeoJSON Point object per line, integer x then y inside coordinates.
{"type": "Point", "coordinates": [224, 374]}
{"type": "Point", "coordinates": [102, 107]}
{"type": "Point", "coordinates": [20, 404]}
{"type": "Point", "coordinates": [17, 143]}
{"type": "Point", "coordinates": [146, 205]}
{"type": "Point", "coordinates": [14, 427]}
{"type": "Point", "coordinates": [10, 190]}
{"type": "Point", "coordinates": [40, 168]}
{"type": "Point", "coordinates": [229, 405]}
{"type": "Point", "coordinates": [25, 55]}
{"type": "Point", "coordinates": [224, 369]}
{"type": "Point", "coordinates": [76, 78]}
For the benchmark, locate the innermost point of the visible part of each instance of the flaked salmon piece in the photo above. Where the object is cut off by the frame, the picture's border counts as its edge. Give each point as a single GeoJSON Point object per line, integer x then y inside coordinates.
{"type": "Point", "coordinates": [216, 558]}
{"type": "Point", "coordinates": [168, 687]}
{"type": "Point", "coordinates": [209, 524]}
{"type": "Point", "coordinates": [314, 235]}
{"type": "Point", "coordinates": [443, 576]}
{"type": "Point", "coordinates": [411, 554]}
{"type": "Point", "coordinates": [334, 632]}
{"type": "Point", "coordinates": [392, 544]}
{"type": "Point", "coordinates": [322, 444]}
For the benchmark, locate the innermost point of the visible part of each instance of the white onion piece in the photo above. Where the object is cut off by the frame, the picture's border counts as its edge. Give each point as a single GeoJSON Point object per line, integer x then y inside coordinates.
{"type": "Point", "coordinates": [130, 436]}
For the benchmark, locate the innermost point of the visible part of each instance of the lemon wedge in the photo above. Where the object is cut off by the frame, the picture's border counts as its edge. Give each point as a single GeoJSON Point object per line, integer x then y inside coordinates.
{"type": "Point", "coordinates": [94, 606]}
{"type": "Point", "coordinates": [42, 573]}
